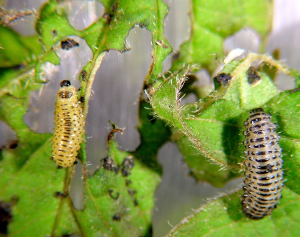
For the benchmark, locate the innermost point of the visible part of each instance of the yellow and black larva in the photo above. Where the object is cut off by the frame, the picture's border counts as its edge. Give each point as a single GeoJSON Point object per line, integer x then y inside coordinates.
{"type": "Point", "coordinates": [264, 175]}
{"type": "Point", "coordinates": [68, 126]}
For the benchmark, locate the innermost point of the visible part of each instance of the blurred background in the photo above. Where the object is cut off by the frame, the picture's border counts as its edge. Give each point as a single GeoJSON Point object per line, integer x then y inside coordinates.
{"type": "Point", "coordinates": [119, 82]}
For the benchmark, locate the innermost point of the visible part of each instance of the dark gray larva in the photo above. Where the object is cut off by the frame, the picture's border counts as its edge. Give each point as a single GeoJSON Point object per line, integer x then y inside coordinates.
{"type": "Point", "coordinates": [264, 175]}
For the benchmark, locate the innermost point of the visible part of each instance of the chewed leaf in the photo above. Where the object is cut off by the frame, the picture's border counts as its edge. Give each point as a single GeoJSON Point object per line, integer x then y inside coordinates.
{"type": "Point", "coordinates": [118, 202]}
{"type": "Point", "coordinates": [212, 22]}
{"type": "Point", "coordinates": [224, 217]}
{"type": "Point", "coordinates": [28, 184]}
{"type": "Point", "coordinates": [123, 204]}
{"type": "Point", "coordinates": [17, 49]}
{"type": "Point", "coordinates": [215, 124]}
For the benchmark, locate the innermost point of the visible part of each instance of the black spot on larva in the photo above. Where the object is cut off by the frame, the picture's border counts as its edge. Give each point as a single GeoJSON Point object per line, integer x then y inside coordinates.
{"type": "Point", "coordinates": [253, 75]}
{"type": "Point", "coordinates": [223, 78]}
{"type": "Point", "coordinates": [54, 33]}
{"type": "Point", "coordinates": [263, 182]}
{"type": "Point", "coordinates": [59, 194]}
{"type": "Point", "coordinates": [112, 195]}
{"type": "Point", "coordinates": [68, 44]}
{"type": "Point", "coordinates": [135, 202]}
{"type": "Point", "coordinates": [83, 74]}
{"type": "Point", "coordinates": [116, 217]}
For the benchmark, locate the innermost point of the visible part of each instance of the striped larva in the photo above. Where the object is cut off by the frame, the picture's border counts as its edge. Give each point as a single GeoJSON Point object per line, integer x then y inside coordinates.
{"type": "Point", "coordinates": [68, 126]}
{"type": "Point", "coordinates": [264, 175]}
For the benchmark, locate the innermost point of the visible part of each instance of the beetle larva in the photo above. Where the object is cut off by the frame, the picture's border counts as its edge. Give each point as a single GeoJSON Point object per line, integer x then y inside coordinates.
{"type": "Point", "coordinates": [264, 175]}
{"type": "Point", "coordinates": [68, 126]}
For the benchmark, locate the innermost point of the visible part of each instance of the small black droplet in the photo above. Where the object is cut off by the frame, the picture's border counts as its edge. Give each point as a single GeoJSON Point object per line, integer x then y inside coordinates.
{"type": "Point", "coordinates": [253, 75]}
{"type": "Point", "coordinates": [223, 78]}
{"type": "Point", "coordinates": [6, 215]}
{"type": "Point", "coordinates": [68, 44]}
{"type": "Point", "coordinates": [83, 74]}
{"type": "Point", "coordinates": [116, 217]}
{"type": "Point", "coordinates": [59, 194]}
{"type": "Point", "coordinates": [107, 163]}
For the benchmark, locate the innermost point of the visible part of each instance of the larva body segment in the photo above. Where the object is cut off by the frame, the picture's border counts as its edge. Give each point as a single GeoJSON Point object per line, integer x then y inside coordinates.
{"type": "Point", "coordinates": [264, 175]}
{"type": "Point", "coordinates": [68, 126]}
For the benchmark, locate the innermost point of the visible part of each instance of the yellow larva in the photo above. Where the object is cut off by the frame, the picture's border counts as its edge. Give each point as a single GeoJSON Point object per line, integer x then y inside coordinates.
{"type": "Point", "coordinates": [264, 175]}
{"type": "Point", "coordinates": [68, 126]}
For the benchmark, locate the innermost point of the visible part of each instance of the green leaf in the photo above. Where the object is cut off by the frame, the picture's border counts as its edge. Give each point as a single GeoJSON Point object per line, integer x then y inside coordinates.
{"type": "Point", "coordinates": [285, 109]}
{"type": "Point", "coordinates": [12, 111]}
{"type": "Point", "coordinates": [35, 185]}
{"type": "Point", "coordinates": [18, 82]}
{"type": "Point", "coordinates": [224, 217]}
{"type": "Point", "coordinates": [215, 127]}
{"type": "Point", "coordinates": [109, 34]}
{"type": "Point", "coordinates": [16, 49]}
{"type": "Point", "coordinates": [119, 198]}
{"type": "Point", "coordinates": [154, 133]}
{"type": "Point", "coordinates": [213, 21]}
{"type": "Point", "coordinates": [18, 57]}
{"type": "Point", "coordinates": [24, 172]}
{"type": "Point", "coordinates": [119, 204]}
{"type": "Point", "coordinates": [129, 214]}
{"type": "Point", "coordinates": [203, 168]}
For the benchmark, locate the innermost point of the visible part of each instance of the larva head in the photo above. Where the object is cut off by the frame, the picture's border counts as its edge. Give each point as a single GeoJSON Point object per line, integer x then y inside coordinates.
{"type": "Point", "coordinates": [67, 91]}
{"type": "Point", "coordinates": [65, 83]}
